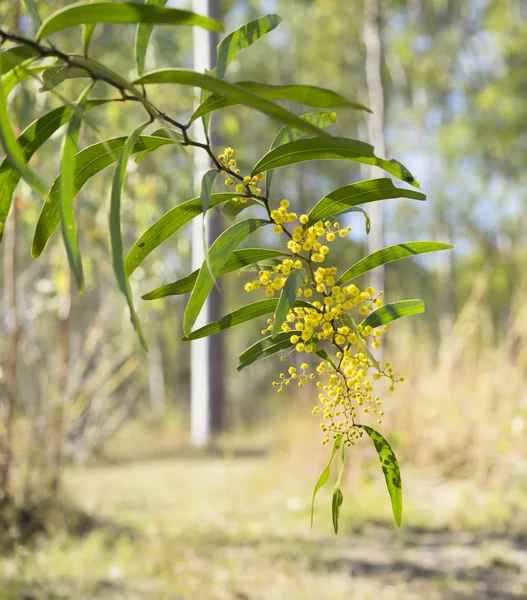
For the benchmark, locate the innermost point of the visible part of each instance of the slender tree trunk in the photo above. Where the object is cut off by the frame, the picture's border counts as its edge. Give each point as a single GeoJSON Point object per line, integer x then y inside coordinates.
{"type": "Point", "coordinates": [216, 342]}
{"type": "Point", "coordinates": [9, 405]}
{"type": "Point", "coordinates": [373, 45]}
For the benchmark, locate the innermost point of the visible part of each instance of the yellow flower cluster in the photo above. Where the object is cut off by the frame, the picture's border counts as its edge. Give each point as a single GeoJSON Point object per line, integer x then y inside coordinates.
{"type": "Point", "coordinates": [226, 158]}
{"type": "Point", "coordinates": [274, 280]}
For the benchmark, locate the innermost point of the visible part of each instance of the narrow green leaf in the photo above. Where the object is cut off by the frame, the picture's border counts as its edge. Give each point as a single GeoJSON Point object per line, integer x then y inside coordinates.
{"type": "Point", "coordinates": [266, 347]}
{"type": "Point", "coordinates": [229, 90]}
{"type": "Point", "coordinates": [207, 181]}
{"type": "Point", "coordinates": [30, 140]}
{"type": "Point", "coordinates": [9, 59]}
{"type": "Point", "coordinates": [219, 253]}
{"type": "Point", "coordinates": [67, 190]}
{"type": "Point", "coordinates": [390, 468]}
{"type": "Point", "coordinates": [88, 162]}
{"type": "Point", "coordinates": [242, 38]}
{"type": "Point", "coordinates": [389, 254]}
{"type": "Point", "coordinates": [294, 282]}
{"type": "Point", "coordinates": [85, 13]}
{"type": "Point", "coordinates": [116, 240]}
{"type": "Point", "coordinates": [336, 503]}
{"type": "Point", "coordinates": [330, 149]}
{"type": "Point", "coordinates": [290, 134]}
{"type": "Point", "coordinates": [340, 200]}
{"type": "Point", "coordinates": [165, 226]}
{"type": "Point", "coordinates": [234, 207]}
{"type": "Point", "coordinates": [347, 320]}
{"type": "Point", "coordinates": [242, 315]}
{"type": "Point", "coordinates": [325, 356]}
{"type": "Point", "coordinates": [237, 260]}
{"type": "Point", "coordinates": [33, 12]}
{"type": "Point", "coordinates": [12, 149]}
{"type": "Point", "coordinates": [392, 311]}
{"type": "Point", "coordinates": [144, 31]}
{"type": "Point", "coordinates": [304, 94]}
{"type": "Point", "coordinates": [87, 33]}
{"type": "Point", "coordinates": [324, 476]}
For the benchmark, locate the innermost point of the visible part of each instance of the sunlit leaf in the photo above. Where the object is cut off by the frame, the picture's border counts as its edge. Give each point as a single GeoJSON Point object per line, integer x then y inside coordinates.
{"type": "Point", "coordinates": [237, 260]}
{"type": "Point", "coordinates": [390, 468]}
{"type": "Point", "coordinates": [328, 148]}
{"type": "Point", "coordinates": [30, 140]}
{"type": "Point", "coordinates": [85, 13]}
{"type": "Point", "coordinates": [207, 181]}
{"type": "Point", "coordinates": [324, 476]}
{"type": "Point", "coordinates": [389, 254]}
{"type": "Point", "coordinates": [167, 225]}
{"type": "Point", "coordinates": [336, 503]}
{"type": "Point", "coordinates": [340, 200]}
{"type": "Point", "coordinates": [219, 253]}
{"type": "Point", "coordinates": [392, 311]}
{"type": "Point", "coordinates": [13, 150]}
{"type": "Point", "coordinates": [88, 162]}
{"type": "Point", "coordinates": [309, 95]}
{"type": "Point", "coordinates": [229, 90]}
{"type": "Point", "coordinates": [67, 191]}
{"type": "Point", "coordinates": [116, 240]}
{"type": "Point", "coordinates": [294, 282]}
{"type": "Point", "coordinates": [87, 33]}
{"type": "Point", "coordinates": [144, 31]}
{"type": "Point", "coordinates": [290, 134]}
{"type": "Point", "coordinates": [242, 38]}
{"type": "Point", "coordinates": [234, 207]}
{"type": "Point", "coordinates": [242, 315]}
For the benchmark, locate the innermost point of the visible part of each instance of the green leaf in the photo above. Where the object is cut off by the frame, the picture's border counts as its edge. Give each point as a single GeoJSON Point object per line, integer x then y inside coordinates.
{"type": "Point", "coordinates": [290, 134]}
{"type": "Point", "coordinates": [88, 162]}
{"type": "Point", "coordinates": [337, 499]}
{"type": "Point", "coordinates": [346, 319]}
{"type": "Point", "coordinates": [390, 468]}
{"type": "Point", "coordinates": [242, 315]}
{"type": "Point", "coordinates": [207, 181]}
{"type": "Point", "coordinates": [266, 347]}
{"type": "Point", "coordinates": [219, 253]}
{"type": "Point", "coordinates": [294, 282]}
{"type": "Point", "coordinates": [12, 149]}
{"type": "Point", "coordinates": [392, 311]}
{"type": "Point", "coordinates": [30, 140]}
{"type": "Point", "coordinates": [389, 254]}
{"type": "Point", "coordinates": [336, 503]}
{"type": "Point", "coordinates": [144, 31]}
{"type": "Point", "coordinates": [167, 225]}
{"type": "Point", "coordinates": [324, 476]}
{"type": "Point", "coordinates": [242, 38]}
{"type": "Point", "coordinates": [229, 90]}
{"type": "Point", "coordinates": [87, 33]}
{"type": "Point", "coordinates": [116, 240]}
{"type": "Point", "coordinates": [9, 59]}
{"type": "Point", "coordinates": [342, 199]}
{"type": "Point", "coordinates": [85, 13]}
{"type": "Point", "coordinates": [237, 260]}
{"type": "Point", "coordinates": [325, 356]}
{"type": "Point", "coordinates": [304, 94]}
{"type": "Point", "coordinates": [67, 190]}
{"type": "Point", "coordinates": [234, 207]}
{"type": "Point", "coordinates": [330, 149]}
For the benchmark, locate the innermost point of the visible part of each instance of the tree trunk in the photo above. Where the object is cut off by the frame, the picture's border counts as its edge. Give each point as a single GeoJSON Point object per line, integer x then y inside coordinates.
{"type": "Point", "coordinates": [373, 45]}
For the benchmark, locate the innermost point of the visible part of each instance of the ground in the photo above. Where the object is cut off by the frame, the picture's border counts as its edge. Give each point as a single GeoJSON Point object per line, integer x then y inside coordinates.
{"type": "Point", "coordinates": [236, 527]}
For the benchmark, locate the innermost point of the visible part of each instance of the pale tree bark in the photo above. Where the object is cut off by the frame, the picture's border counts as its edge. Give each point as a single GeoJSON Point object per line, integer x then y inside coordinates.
{"type": "Point", "coordinates": [13, 330]}
{"type": "Point", "coordinates": [374, 56]}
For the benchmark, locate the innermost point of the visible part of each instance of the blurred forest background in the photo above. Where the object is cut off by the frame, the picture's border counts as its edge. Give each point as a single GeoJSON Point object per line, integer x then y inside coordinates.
{"type": "Point", "coordinates": [142, 515]}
